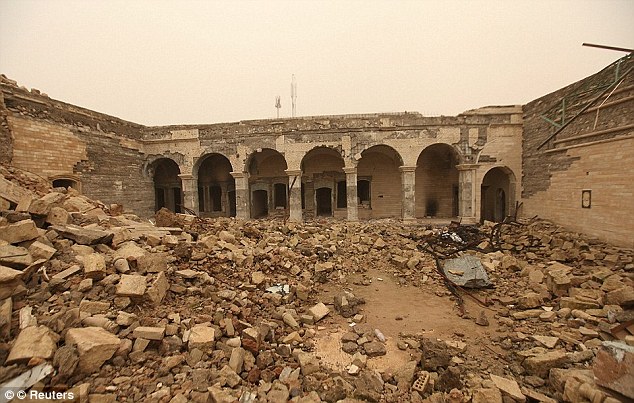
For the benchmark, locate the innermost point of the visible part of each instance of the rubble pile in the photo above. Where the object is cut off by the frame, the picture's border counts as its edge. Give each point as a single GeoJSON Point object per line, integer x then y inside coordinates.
{"type": "Point", "coordinates": [106, 305]}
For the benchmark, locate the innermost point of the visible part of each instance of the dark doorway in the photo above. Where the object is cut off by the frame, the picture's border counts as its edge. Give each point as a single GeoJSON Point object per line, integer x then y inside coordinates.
{"type": "Point", "coordinates": [64, 183]}
{"type": "Point", "coordinates": [323, 198]}
{"type": "Point", "coordinates": [260, 203]}
{"type": "Point", "coordinates": [232, 203]}
{"type": "Point", "coordinates": [160, 198]}
{"type": "Point", "coordinates": [177, 200]}
{"type": "Point", "coordinates": [280, 195]}
{"type": "Point", "coordinates": [342, 194]}
{"type": "Point", "coordinates": [497, 194]}
{"type": "Point", "coordinates": [216, 198]}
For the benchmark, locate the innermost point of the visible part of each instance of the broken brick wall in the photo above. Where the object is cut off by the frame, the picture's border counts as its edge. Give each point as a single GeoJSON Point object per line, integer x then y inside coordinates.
{"type": "Point", "coordinates": [6, 145]}
{"type": "Point", "coordinates": [55, 140]}
{"type": "Point", "coordinates": [593, 153]}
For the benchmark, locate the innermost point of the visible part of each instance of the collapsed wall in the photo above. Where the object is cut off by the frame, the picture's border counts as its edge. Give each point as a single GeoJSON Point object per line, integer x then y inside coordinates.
{"type": "Point", "coordinates": [71, 146]}
{"type": "Point", "coordinates": [582, 176]}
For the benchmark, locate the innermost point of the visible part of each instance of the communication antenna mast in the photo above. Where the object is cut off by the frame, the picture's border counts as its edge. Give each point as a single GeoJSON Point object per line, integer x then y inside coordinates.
{"type": "Point", "coordinates": [278, 105]}
{"type": "Point", "coordinates": [294, 95]}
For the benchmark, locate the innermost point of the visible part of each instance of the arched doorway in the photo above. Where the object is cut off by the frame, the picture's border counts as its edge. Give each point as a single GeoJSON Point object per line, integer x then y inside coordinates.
{"type": "Point", "coordinates": [65, 183]}
{"type": "Point", "coordinates": [268, 183]}
{"type": "Point", "coordinates": [436, 189]}
{"type": "Point", "coordinates": [324, 183]}
{"type": "Point", "coordinates": [167, 185]}
{"type": "Point", "coordinates": [216, 187]}
{"type": "Point", "coordinates": [379, 183]}
{"type": "Point", "coordinates": [497, 194]}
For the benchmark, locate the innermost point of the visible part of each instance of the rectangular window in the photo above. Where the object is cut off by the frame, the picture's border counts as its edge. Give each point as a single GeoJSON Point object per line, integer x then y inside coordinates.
{"type": "Point", "coordinates": [342, 194]}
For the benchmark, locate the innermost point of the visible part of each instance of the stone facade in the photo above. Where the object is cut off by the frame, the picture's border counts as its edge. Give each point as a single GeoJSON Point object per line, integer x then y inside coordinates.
{"type": "Point", "coordinates": [401, 165]}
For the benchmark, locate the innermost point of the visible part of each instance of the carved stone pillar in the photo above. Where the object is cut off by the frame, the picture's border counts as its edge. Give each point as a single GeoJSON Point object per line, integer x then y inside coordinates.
{"type": "Point", "coordinates": [467, 192]}
{"type": "Point", "coordinates": [408, 194]}
{"type": "Point", "coordinates": [294, 195]}
{"type": "Point", "coordinates": [242, 195]}
{"type": "Point", "coordinates": [351, 193]}
{"type": "Point", "coordinates": [189, 184]}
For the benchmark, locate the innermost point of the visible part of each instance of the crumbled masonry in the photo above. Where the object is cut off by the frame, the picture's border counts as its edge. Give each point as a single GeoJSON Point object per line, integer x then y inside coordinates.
{"type": "Point", "coordinates": [225, 310]}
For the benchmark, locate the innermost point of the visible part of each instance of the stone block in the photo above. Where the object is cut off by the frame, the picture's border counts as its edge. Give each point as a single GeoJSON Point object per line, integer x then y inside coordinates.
{"type": "Point", "coordinates": [150, 332]}
{"type": "Point", "coordinates": [94, 266]}
{"type": "Point", "coordinates": [33, 342]}
{"type": "Point", "coordinates": [158, 289]}
{"type": "Point", "coordinates": [43, 205]}
{"type": "Point", "coordinates": [508, 387]}
{"type": "Point", "coordinates": [201, 337]}
{"type": "Point", "coordinates": [541, 364]}
{"type": "Point", "coordinates": [40, 250]}
{"type": "Point", "coordinates": [93, 307]}
{"type": "Point", "coordinates": [20, 231]}
{"type": "Point", "coordinates": [319, 311]}
{"type": "Point", "coordinates": [58, 216]}
{"type": "Point", "coordinates": [133, 286]}
{"type": "Point", "coordinates": [15, 256]}
{"type": "Point", "coordinates": [152, 263]}
{"type": "Point", "coordinates": [83, 236]}
{"type": "Point", "coordinates": [95, 346]}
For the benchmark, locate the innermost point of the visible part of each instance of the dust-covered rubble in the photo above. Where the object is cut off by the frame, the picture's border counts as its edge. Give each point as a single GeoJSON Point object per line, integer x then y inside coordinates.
{"type": "Point", "coordinates": [226, 310]}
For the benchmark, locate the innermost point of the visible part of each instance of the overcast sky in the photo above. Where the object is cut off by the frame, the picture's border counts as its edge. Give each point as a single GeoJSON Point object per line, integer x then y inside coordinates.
{"type": "Point", "coordinates": [177, 62]}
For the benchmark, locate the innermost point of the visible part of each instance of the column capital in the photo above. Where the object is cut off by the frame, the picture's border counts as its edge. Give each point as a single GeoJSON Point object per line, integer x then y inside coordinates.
{"type": "Point", "coordinates": [293, 172]}
{"type": "Point", "coordinates": [239, 175]}
{"type": "Point", "coordinates": [350, 170]}
{"type": "Point", "coordinates": [407, 168]}
{"type": "Point", "coordinates": [467, 167]}
{"type": "Point", "coordinates": [186, 176]}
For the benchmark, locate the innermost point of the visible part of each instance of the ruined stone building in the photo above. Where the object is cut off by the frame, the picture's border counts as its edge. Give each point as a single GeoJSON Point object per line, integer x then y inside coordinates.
{"type": "Point", "coordinates": [567, 156]}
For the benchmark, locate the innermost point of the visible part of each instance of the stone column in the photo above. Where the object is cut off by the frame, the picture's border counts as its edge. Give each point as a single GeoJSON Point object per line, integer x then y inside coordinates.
{"type": "Point", "coordinates": [242, 195]}
{"type": "Point", "coordinates": [189, 184]}
{"type": "Point", "coordinates": [467, 193]}
{"type": "Point", "coordinates": [294, 194]}
{"type": "Point", "coordinates": [351, 193]}
{"type": "Point", "coordinates": [408, 194]}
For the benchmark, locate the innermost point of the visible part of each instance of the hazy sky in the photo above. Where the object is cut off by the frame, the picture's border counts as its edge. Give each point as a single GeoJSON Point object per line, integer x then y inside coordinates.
{"type": "Point", "coordinates": [176, 62]}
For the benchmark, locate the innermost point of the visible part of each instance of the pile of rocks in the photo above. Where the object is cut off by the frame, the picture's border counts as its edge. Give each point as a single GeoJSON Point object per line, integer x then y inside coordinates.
{"type": "Point", "coordinates": [223, 310]}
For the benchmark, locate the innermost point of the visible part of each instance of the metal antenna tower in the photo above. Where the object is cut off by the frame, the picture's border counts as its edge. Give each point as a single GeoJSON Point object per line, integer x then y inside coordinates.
{"type": "Point", "coordinates": [278, 105]}
{"type": "Point", "coordinates": [294, 95]}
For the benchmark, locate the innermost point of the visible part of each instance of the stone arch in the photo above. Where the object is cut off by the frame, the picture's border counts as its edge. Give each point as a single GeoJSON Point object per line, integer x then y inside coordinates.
{"type": "Point", "coordinates": [497, 194]}
{"type": "Point", "coordinates": [379, 180]}
{"type": "Point", "coordinates": [216, 186]}
{"type": "Point", "coordinates": [324, 190]}
{"type": "Point", "coordinates": [66, 181]}
{"type": "Point", "coordinates": [266, 168]}
{"type": "Point", "coordinates": [167, 184]}
{"type": "Point", "coordinates": [437, 181]}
